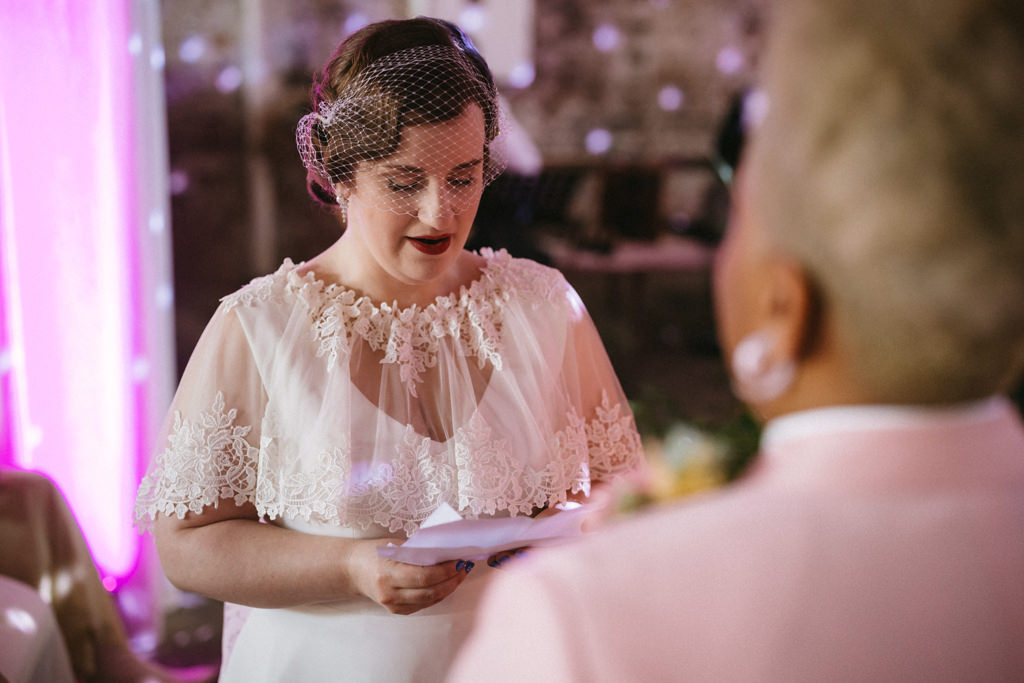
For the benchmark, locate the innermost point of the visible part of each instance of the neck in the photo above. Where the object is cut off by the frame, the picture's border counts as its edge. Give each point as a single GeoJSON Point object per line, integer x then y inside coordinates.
{"type": "Point", "coordinates": [821, 381]}
{"type": "Point", "coordinates": [346, 263]}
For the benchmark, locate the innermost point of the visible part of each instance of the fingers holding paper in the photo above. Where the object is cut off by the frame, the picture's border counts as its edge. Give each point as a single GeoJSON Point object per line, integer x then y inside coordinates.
{"type": "Point", "coordinates": [499, 559]}
{"type": "Point", "coordinates": [404, 588]}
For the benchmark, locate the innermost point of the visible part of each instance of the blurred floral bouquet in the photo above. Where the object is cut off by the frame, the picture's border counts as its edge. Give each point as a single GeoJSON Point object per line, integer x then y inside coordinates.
{"type": "Point", "coordinates": [686, 458]}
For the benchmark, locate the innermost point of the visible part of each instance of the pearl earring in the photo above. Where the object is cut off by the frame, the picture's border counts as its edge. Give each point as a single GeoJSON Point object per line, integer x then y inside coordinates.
{"type": "Point", "coordinates": [757, 376]}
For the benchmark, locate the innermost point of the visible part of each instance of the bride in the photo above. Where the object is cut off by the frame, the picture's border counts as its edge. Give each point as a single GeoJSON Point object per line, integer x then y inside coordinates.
{"type": "Point", "coordinates": [332, 405]}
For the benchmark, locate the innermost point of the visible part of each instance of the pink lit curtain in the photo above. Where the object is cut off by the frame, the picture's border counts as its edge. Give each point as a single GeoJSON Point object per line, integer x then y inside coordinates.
{"type": "Point", "coordinates": [85, 296]}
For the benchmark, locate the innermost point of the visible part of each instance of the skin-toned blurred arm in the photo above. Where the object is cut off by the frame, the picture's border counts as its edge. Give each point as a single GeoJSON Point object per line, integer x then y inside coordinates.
{"type": "Point", "coordinates": [225, 553]}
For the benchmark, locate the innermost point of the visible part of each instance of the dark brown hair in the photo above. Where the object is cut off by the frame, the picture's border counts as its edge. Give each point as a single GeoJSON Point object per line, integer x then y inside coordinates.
{"type": "Point", "coordinates": [427, 93]}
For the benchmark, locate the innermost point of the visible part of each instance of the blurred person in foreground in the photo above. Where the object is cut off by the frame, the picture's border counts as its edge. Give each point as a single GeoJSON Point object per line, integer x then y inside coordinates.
{"type": "Point", "coordinates": [45, 563]}
{"type": "Point", "coordinates": [870, 297]}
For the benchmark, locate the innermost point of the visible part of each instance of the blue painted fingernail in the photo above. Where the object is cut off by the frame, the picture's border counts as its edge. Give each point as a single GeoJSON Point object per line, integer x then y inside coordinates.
{"type": "Point", "coordinates": [469, 565]}
{"type": "Point", "coordinates": [459, 565]}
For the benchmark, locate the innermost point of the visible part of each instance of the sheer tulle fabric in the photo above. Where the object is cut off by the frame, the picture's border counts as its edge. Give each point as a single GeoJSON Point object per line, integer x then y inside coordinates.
{"type": "Point", "coordinates": [320, 406]}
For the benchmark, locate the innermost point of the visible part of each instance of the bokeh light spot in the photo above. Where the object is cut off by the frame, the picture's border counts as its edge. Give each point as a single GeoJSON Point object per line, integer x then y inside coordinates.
{"type": "Point", "coordinates": [192, 49]}
{"type": "Point", "coordinates": [178, 181]}
{"type": "Point", "coordinates": [164, 296]}
{"type": "Point", "coordinates": [522, 74]}
{"type": "Point", "coordinates": [671, 98]}
{"type": "Point", "coordinates": [20, 620]}
{"type": "Point", "coordinates": [355, 21]}
{"type": "Point", "coordinates": [229, 79]}
{"type": "Point", "coordinates": [472, 18]}
{"type": "Point", "coordinates": [730, 60]}
{"type": "Point", "coordinates": [157, 58]}
{"type": "Point", "coordinates": [606, 37]}
{"type": "Point", "coordinates": [598, 141]}
{"type": "Point", "coordinates": [135, 45]}
{"type": "Point", "coordinates": [157, 222]}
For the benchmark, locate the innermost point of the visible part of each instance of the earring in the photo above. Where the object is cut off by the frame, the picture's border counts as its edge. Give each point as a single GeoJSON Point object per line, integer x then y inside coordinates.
{"type": "Point", "coordinates": [757, 376]}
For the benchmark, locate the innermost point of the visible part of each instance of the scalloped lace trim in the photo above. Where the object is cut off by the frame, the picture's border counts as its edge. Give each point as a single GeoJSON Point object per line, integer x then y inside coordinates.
{"type": "Point", "coordinates": [205, 460]}
{"type": "Point", "coordinates": [411, 337]}
{"type": "Point", "coordinates": [612, 439]}
{"type": "Point", "coordinates": [209, 459]}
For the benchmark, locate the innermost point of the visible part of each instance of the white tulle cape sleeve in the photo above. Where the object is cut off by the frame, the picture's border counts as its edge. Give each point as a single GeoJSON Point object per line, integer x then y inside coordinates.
{"type": "Point", "coordinates": [211, 434]}
{"type": "Point", "coordinates": [320, 407]}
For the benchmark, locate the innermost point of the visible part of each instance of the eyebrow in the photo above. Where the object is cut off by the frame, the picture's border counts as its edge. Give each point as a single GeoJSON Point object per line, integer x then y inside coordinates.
{"type": "Point", "coordinates": [415, 169]}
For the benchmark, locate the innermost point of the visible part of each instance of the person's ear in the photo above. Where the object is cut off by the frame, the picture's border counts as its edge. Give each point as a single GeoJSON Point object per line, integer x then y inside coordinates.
{"type": "Point", "coordinates": [788, 308]}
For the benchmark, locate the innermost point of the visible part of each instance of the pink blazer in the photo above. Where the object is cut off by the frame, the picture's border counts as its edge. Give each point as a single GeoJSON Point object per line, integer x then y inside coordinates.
{"type": "Point", "coordinates": [888, 553]}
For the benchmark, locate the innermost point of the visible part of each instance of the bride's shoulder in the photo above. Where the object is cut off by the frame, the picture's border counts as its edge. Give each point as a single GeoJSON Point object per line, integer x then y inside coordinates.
{"type": "Point", "coordinates": [524, 275]}
{"type": "Point", "coordinates": [264, 288]}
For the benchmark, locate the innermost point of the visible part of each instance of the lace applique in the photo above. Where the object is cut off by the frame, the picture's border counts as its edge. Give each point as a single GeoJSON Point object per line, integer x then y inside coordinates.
{"type": "Point", "coordinates": [259, 289]}
{"type": "Point", "coordinates": [205, 460]}
{"type": "Point", "coordinates": [401, 494]}
{"type": "Point", "coordinates": [490, 479]}
{"type": "Point", "coordinates": [612, 440]}
{"type": "Point", "coordinates": [538, 283]}
{"type": "Point", "coordinates": [411, 337]}
{"type": "Point", "coordinates": [209, 459]}
{"type": "Point", "coordinates": [287, 491]}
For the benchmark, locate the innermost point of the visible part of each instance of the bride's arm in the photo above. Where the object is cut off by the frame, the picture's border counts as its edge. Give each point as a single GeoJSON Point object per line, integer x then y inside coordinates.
{"type": "Point", "coordinates": [225, 553]}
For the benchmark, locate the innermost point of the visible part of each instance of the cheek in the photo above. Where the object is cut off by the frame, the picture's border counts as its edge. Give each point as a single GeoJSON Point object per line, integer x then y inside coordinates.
{"type": "Point", "coordinates": [379, 228]}
{"type": "Point", "coordinates": [466, 216]}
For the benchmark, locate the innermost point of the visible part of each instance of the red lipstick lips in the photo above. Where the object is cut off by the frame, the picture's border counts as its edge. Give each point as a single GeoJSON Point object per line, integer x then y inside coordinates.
{"type": "Point", "coordinates": [431, 246]}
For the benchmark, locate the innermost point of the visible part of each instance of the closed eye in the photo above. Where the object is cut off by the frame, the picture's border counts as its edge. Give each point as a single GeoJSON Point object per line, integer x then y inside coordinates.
{"type": "Point", "coordinates": [396, 186]}
{"type": "Point", "coordinates": [462, 182]}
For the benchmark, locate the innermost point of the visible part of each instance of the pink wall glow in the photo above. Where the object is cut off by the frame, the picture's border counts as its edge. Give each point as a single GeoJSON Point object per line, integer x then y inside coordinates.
{"type": "Point", "coordinates": [85, 356]}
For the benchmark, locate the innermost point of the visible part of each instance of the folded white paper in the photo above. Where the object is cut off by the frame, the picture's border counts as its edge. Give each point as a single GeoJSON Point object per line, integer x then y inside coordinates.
{"type": "Point", "coordinates": [446, 536]}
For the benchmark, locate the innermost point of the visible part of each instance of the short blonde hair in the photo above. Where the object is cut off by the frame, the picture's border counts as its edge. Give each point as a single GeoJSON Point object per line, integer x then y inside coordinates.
{"type": "Point", "coordinates": [891, 164]}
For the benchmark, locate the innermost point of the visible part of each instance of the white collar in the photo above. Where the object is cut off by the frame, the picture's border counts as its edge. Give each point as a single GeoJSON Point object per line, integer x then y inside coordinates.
{"type": "Point", "coordinates": [833, 419]}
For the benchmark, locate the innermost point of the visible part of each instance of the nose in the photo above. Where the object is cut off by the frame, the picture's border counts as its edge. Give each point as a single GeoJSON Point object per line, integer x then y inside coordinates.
{"type": "Point", "coordinates": [435, 207]}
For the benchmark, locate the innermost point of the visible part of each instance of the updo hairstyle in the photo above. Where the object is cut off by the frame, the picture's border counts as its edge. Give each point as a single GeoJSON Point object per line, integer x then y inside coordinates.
{"type": "Point", "coordinates": [381, 101]}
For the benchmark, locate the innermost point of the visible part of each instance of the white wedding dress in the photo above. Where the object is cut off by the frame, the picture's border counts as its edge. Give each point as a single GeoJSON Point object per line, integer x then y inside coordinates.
{"type": "Point", "coordinates": [334, 414]}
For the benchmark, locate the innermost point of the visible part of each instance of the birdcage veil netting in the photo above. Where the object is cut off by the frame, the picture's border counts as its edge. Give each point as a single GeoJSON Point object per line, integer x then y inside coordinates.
{"type": "Point", "coordinates": [364, 125]}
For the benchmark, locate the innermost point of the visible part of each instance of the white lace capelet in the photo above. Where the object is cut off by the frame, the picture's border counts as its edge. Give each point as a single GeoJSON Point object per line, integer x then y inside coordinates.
{"type": "Point", "coordinates": [311, 402]}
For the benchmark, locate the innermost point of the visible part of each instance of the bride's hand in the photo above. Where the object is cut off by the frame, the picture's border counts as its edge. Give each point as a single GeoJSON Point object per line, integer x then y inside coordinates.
{"type": "Point", "coordinates": [498, 559]}
{"type": "Point", "coordinates": [399, 587]}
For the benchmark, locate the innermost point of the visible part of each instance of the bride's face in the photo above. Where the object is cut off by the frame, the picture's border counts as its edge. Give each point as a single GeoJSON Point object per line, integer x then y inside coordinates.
{"type": "Point", "coordinates": [412, 212]}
